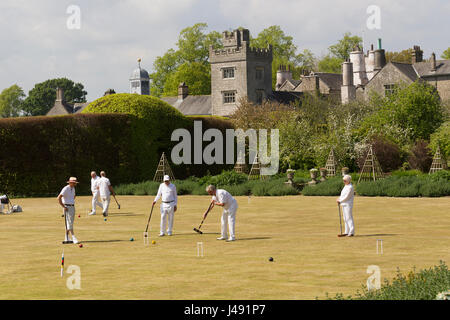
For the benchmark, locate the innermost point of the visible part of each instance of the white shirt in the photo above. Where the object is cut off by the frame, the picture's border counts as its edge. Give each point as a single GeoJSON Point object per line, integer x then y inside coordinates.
{"type": "Point", "coordinates": [94, 182]}
{"type": "Point", "coordinates": [347, 195]}
{"type": "Point", "coordinates": [68, 195]}
{"type": "Point", "coordinates": [168, 194]}
{"type": "Point", "coordinates": [103, 185]}
{"type": "Point", "coordinates": [223, 196]}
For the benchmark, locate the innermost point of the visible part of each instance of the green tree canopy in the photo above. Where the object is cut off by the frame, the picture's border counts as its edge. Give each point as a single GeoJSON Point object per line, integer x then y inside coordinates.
{"type": "Point", "coordinates": [284, 52]}
{"type": "Point", "coordinates": [446, 54]}
{"type": "Point", "coordinates": [193, 50]}
{"type": "Point", "coordinates": [42, 97]}
{"type": "Point", "coordinates": [403, 56]}
{"type": "Point", "coordinates": [338, 53]}
{"type": "Point", "coordinates": [196, 75]}
{"type": "Point", "coordinates": [412, 112]}
{"type": "Point", "coordinates": [11, 100]}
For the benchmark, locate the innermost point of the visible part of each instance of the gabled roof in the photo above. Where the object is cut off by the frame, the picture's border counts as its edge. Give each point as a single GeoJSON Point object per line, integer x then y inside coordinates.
{"type": "Point", "coordinates": [191, 105]}
{"type": "Point", "coordinates": [407, 69]}
{"type": "Point", "coordinates": [332, 80]}
{"type": "Point", "coordinates": [285, 97]}
{"type": "Point", "coordinates": [423, 69]}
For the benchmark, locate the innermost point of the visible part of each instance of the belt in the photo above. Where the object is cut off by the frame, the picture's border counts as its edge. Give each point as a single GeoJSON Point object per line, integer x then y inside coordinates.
{"type": "Point", "coordinates": [70, 205]}
{"type": "Point", "coordinates": [168, 201]}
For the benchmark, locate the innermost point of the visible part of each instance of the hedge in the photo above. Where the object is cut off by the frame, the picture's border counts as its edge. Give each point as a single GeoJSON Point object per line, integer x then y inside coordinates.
{"type": "Point", "coordinates": [123, 134]}
{"type": "Point", "coordinates": [40, 153]}
{"type": "Point", "coordinates": [427, 284]}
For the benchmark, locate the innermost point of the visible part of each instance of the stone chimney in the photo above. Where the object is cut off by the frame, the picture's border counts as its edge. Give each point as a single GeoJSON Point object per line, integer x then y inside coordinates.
{"type": "Point", "coordinates": [183, 91]}
{"type": "Point", "coordinates": [433, 62]}
{"type": "Point", "coordinates": [358, 60]}
{"type": "Point", "coordinates": [380, 58]}
{"type": "Point", "coordinates": [348, 90]}
{"type": "Point", "coordinates": [417, 54]}
{"type": "Point", "coordinates": [283, 74]}
{"type": "Point", "coordinates": [59, 94]}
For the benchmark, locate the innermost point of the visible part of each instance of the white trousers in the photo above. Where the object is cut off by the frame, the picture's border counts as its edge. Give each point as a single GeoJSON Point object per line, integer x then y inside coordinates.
{"type": "Point", "coordinates": [167, 214]}
{"type": "Point", "coordinates": [348, 219]}
{"type": "Point", "coordinates": [106, 201]}
{"type": "Point", "coordinates": [229, 220]}
{"type": "Point", "coordinates": [95, 201]}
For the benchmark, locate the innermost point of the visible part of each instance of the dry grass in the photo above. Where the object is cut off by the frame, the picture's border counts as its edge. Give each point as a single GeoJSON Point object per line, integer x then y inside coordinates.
{"type": "Point", "coordinates": [299, 232]}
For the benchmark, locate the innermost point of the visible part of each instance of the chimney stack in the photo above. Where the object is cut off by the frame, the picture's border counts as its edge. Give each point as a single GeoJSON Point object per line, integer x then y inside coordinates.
{"type": "Point", "coordinates": [59, 94]}
{"type": "Point", "coordinates": [183, 91]}
{"type": "Point", "coordinates": [417, 54]}
{"type": "Point", "coordinates": [433, 62]}
{"type": "Point", "coordinates": [348, 90]}
{"type": "Point", "coordinates": [380, 58]}
{"type": "Point", "coordinates": [283, 74]}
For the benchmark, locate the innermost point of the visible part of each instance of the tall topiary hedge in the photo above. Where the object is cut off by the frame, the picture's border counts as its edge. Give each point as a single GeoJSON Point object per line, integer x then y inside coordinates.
{"type": "Point", "coordinates": [40, 153]}
{"type": "Point", "coordinates": [155, 120]}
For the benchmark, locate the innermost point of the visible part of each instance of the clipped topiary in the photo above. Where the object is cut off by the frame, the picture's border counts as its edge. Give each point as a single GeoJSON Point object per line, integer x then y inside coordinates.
{"type": "Point", "coordinates": [153, 123]}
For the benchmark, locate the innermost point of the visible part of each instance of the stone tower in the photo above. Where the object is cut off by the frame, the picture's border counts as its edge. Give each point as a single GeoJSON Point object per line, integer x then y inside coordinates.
{"type": "Point", "coordinates": [239, 71]}
{"type": "Point", "coordinates": [140, 81]}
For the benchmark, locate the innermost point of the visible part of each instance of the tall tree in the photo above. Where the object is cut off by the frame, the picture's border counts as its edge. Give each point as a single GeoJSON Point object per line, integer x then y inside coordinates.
{"type": "Point", "coordinates": [193, 48]}
{"type": "Point", "coordinates": [446, 54]}
{"type": "Point", "coordinates": [338, 53]}
{"type": "Point", "coordinates": [196, 75]}
{"type": "Point", "coordinates": [403, 56]}
{"type": "Point", "coordinates": [42, 97]}
{"type": "Point", "coordinates": [284, 52]}
{"type": "Point", "coordinates": [11, 100]}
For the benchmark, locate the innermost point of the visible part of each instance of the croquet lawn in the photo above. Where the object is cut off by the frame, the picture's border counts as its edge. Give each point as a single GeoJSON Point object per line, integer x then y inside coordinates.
{"type": "Point", "coordinates": [300, 233]}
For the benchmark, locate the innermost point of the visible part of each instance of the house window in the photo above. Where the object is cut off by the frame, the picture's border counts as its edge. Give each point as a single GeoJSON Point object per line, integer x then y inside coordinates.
{"type": "Point", "coordinates": [228, 73]}
{"type": "Point", "coordinates": [259, 73]}
{"type": "Point", "coordinates": [389, 89]}
{"type": "Point", "coordinates": [229, 97]}
{"type": "Point", "coordinates": [260, 95]}
{"type": "Point", "coordinates": [135, 84]}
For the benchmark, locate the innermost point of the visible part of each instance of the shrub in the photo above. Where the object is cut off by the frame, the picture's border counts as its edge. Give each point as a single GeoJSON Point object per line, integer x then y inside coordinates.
{"type": "Point", "coordinates": [330, 187]}
{"type": "Point", "coordinates": [423, 285]}
{"type": "Point", "coordinates": [441, 138]}
{"type": "Point", "coordinates": [407, 186]}
{"type": "Point", "coordinates": [388, 154]}
{"type": "Point", "coordinates": [420, 157]}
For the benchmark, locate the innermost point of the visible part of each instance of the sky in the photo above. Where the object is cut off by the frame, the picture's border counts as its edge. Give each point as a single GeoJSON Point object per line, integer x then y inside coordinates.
{"type": "Point", "coordinates": [37, 44]}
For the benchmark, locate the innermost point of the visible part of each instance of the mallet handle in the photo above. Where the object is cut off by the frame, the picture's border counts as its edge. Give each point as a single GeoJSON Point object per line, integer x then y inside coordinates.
{"type": "Point", "coordinates": [148, 222]}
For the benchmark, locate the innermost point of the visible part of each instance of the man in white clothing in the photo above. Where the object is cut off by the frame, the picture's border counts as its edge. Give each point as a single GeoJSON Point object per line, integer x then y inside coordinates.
{"type": "Point", "coordinates": [223, 198]}
{"type": "Point", "coordinates": [346, 202]}
{"type": "Point", "coordinates": [95, 193]}
{"type": "Point", "coordinates": [105, 190]}
{"type": "Point", "coordinates": [169, 200]}
{"type": "Point", "coordinates": [66, 199]}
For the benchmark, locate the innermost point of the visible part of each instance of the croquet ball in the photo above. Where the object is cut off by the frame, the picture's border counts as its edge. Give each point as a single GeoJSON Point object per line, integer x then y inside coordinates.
{"type": "Point", "coordinates": [153, 242]}
{"type": "Point", "coordinates": [80, 245]}
{"type": "Point", "coordinates": [105, 219]}
{"type": "Point", "coordinates": [270, 259]}
{"type": "Point", "coordinates": [131, 239]}
{"type": "Point", "coordinates": [79, 216]}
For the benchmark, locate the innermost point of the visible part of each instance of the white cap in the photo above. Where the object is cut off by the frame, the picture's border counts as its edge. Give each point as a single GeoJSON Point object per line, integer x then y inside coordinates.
{"type": "Point", "coordinates": [347, 178]}
{"type": "Point", "coordinates": [166, 178]}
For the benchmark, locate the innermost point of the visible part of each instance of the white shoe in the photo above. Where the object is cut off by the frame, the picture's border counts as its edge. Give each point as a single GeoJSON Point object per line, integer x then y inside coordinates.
{"type": "Point", "coordinates": [74, 240]}
{"type": "Point", "coordinates": [222, 238]}
{"type": "Point", "coordinates": [161, 234]}
{"type": "Point", "coordinates": [350, 235]}
{"type": "Point", "coordinates": [231, 239]}
{"type": "Point", "coordinates": [92, 213]}
{"type": "Point", "coordinates": [169, 233]}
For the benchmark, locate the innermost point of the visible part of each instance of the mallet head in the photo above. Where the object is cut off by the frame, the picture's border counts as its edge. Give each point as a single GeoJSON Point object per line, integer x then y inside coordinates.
{"type": "Point", "coordinates": [198, 231]}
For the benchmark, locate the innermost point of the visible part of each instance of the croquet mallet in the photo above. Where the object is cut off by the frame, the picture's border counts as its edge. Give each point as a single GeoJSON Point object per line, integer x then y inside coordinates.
{"type": "Point", "coordinates": [146, 229]}
{"type": "Point", "coordinates": [205, 215]}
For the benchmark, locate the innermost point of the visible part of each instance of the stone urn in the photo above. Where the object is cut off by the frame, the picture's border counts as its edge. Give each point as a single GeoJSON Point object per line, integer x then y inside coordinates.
{"type": "Point", "coordinates": [323, 174]}
{"type": "Point", "coordinates": [313, 173]}
{"type": "Point", "coordinates": [345, 171]}
{"type": "Point", "coordinates": [290, 175]}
